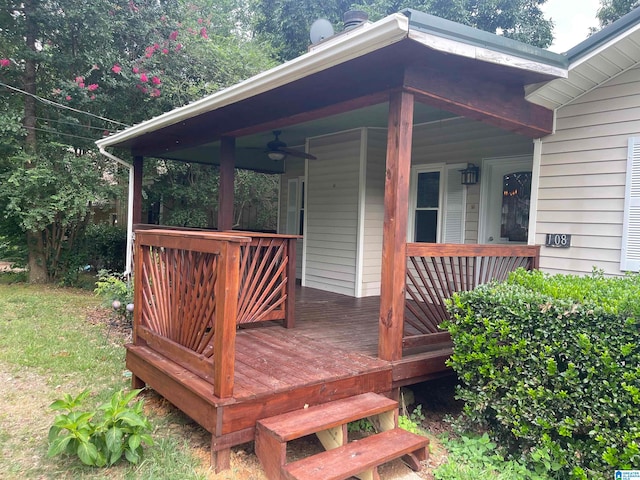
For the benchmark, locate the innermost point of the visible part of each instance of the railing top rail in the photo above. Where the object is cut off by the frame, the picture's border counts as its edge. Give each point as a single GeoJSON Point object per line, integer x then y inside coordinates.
{"type": "Point", "coordinates": [470, 250]}
{"type": "Point", "coordinates": [242, 233]}
{"type": "Point", "coordinates": [188, 240]}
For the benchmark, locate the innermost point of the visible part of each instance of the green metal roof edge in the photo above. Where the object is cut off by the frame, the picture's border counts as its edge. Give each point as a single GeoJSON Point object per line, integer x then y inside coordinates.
{"type": "Point", "coordinates": [599, 38]}
{"type": "Point", "coordinates": [456, 31]}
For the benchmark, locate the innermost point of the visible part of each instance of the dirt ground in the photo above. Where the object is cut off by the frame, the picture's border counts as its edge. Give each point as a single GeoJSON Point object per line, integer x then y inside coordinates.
{"type": "Point", "coordinates": [24, 401]}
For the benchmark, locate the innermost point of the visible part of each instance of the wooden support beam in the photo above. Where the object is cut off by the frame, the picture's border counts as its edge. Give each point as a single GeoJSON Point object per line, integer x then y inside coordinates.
{"type": "Point", "coordinates": [492, 102]}
{"type": "Point", "coordinates": [290, 306]}
{"type": "Point", "coordinates": [225, 189]}
{"type": "Point", "coordinates": [394, 236]}
{"type": "Point", "coordinates": [137, 189]}
{"type": "Point", "coordinates": [224, 347]}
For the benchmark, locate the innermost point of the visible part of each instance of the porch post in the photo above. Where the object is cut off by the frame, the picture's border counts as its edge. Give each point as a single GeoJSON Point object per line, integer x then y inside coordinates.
{"type": "Point", "coordinates": [394, 235]}
{"type": "Point", "coordinates": [225, 188]}
{"type": "Point", "coordinates": [137, 189]}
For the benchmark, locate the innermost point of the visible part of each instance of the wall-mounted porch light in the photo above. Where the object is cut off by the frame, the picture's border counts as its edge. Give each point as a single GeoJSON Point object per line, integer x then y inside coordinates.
{"type": "Point", "coordinates": [470, 175]}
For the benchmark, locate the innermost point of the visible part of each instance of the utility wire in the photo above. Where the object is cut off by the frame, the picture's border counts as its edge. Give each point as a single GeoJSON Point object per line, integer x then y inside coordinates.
{"type": "Point", "coordinates": [59, 105]}
{"type": "Point", "coordinates": [79, 125]}
{"type": "Point", "coordinates": [58, 133]}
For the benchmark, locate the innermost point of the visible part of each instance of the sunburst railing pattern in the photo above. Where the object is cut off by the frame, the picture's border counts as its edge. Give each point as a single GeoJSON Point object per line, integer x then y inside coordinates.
{"type": "Point", "coordinates": [267, 273]}
{"type": "Point", "coordinates": [186, 297]}
{"type": "Point", "coordinates": [436, 271]}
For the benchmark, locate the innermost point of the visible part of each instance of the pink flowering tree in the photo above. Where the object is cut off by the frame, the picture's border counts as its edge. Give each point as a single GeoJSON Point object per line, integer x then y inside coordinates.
{"type": "Point", "coordinates": [125, 60]}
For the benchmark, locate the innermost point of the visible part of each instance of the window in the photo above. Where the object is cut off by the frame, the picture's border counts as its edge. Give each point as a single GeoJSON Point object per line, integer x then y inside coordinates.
{"type": "Point", "coordinates": [437, 205]}
{"type": "Point", "coordinates": [630, 252]}
{"type": "Point", "coordinates": [427, 207]}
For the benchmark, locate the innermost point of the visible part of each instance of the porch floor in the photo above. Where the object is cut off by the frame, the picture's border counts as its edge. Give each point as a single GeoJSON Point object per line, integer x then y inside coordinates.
{"type": "Point", "coordinates": [334, 336]}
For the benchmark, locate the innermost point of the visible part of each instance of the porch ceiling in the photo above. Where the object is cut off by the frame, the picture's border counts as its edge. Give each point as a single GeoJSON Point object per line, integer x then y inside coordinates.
{"type": "Point", "coordinates": [345, 93]}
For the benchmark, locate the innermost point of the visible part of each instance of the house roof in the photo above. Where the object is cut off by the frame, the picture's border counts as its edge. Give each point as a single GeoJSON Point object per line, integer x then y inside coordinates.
{"type": "Point", "coordinates": [601, 57]}
{"type": "Point", "coordinates": [343, 73]}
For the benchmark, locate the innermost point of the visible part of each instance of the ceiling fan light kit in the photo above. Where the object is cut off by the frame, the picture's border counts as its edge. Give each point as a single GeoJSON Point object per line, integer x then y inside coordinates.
{"type": "Point", "coordinates": [277, 149]}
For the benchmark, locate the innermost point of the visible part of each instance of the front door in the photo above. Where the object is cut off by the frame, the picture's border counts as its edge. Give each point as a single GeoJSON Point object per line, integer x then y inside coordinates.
{"type": "Point", "coordinates": [505, 195]}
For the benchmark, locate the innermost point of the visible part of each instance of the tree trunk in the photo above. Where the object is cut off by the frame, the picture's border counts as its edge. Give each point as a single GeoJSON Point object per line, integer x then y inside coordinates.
{"type": "Point", "coordinates": [35, 246]}
{"type": "Point", "coordinates": [37, 264]}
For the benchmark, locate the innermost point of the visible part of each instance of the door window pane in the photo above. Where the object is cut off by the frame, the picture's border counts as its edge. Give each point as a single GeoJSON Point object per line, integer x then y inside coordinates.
{"type": "Point", "coordinates": [516, 194]}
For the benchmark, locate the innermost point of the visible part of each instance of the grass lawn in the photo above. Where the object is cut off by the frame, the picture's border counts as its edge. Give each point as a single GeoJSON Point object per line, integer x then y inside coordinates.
{"type": "Point", "coordinates": [55, 341]}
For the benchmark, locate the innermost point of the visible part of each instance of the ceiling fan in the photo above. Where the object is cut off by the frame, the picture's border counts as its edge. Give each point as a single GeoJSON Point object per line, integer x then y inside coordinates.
{"type": "Point", "coordinates": [277, 149]}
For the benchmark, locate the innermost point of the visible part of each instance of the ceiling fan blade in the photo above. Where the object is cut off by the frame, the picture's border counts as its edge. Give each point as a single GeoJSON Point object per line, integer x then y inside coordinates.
{"type": "Point", "coordinates": [297, 153]}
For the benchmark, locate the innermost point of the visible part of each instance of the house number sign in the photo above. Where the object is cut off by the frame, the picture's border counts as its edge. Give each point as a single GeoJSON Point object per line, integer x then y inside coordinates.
{"type": "Point", "coordinates": [558, 240]}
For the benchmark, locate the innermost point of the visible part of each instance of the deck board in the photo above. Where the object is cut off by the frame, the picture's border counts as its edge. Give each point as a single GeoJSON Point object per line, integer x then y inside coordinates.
{"type": "Point", "coordinates": [335, 337]}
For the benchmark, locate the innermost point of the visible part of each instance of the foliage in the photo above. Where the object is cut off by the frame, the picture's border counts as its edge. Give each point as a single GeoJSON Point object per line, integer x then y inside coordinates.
{"type": "Point", "coordinates": [112, 59]}
{"type": "Point", "coordinates": [473, 457]}
{"type": "Point", "coordinates": [551, 365]}
{"type": "Point", "coordinates": [286, 23]}
{"type": "Point", "coordinates": [100, 437]}
{"type": "Point", "coordinates": [188, 194]}
{"type": "Point", "coordinates": [612, 10]}
{"type": "Point", "coordinates": [51, 195]}
{"type": "Point", "coordinates": [362, 425]}
{"type": "Point", "coordinates": [106, 245]}
{"type": "Point", "coordinates": [412, 422]}
{"type": "Point", "coordinates": [112, 287]}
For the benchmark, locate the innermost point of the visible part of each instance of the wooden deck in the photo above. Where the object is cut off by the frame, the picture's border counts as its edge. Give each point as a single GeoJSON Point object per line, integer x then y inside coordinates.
{"type": "Point", "coordinates": [222, 331]}
{"type": "Point", "coordinates": [330, 354]}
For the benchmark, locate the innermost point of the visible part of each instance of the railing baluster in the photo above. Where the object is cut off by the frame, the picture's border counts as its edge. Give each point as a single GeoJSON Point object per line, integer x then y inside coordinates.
{"type": "Point", "coordinates": [444, 269]}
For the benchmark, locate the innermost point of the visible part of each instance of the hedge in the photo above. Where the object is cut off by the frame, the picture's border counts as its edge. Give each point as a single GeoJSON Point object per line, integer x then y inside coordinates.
{"type": "Point", "coordinates": [551, 366]}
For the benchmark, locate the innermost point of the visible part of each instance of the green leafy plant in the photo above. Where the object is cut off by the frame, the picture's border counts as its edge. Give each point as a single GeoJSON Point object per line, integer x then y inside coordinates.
{"type": "Point", "coordinates": [550, 365]}
{"type": "Point", "coordinates": [100, 437]}
{"type": "Point", "coordinates": [114, 287]}
{"type": "Point", "coordinates": [476, 456]}
{"type": "Point", "coordinates": [412, 422]}
{"type": "Point", "coordinates": [363, 425]}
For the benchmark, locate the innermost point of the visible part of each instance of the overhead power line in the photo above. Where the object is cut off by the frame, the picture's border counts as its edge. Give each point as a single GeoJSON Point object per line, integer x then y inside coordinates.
{"type": "Point", "coordinates": [59, 105]}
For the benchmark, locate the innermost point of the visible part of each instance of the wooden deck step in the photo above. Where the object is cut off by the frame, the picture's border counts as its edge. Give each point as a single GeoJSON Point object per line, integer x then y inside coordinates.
{"type": "Point", "coordinates": [300, 423]}
{"type": "Point", "coordinates": [329, 422]}
{"type": "Point", "coordinates": [357, 457]}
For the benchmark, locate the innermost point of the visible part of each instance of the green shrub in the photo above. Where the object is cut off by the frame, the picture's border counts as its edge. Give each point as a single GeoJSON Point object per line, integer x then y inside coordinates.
{"type": "Point", "coordinates": [100, 437]}
{"type": "Point", "coordinates": [106, 247]}
{"type": "Point", "coordinates": [551, 365]}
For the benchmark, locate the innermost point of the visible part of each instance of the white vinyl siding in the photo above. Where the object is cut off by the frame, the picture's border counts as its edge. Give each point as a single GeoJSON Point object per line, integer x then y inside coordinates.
{"type": "Point", "coordinates": [331, 213]}
{"type": "Point", "coordinates": [374, 211]}
{"type": "Point", "coordinates": [630, 253]}
{"type": "Point", "coordinates": [583, 177]}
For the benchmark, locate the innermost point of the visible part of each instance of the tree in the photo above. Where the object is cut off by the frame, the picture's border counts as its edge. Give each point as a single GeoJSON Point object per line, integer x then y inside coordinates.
{"type": "Point", "coordinates": [286, 23]}
{"type": "Point", "coordinates": [612, 10]}
{"type": "Point", "coordinates": [113, 59]}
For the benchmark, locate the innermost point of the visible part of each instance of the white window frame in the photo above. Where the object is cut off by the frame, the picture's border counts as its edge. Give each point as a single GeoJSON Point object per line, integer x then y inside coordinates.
{"type": "Point", "coordinates": [445, 171]}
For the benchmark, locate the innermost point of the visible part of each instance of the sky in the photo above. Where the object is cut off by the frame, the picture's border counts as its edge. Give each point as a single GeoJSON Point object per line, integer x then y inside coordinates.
{"type": "Point", "coordinates": [572, 19]}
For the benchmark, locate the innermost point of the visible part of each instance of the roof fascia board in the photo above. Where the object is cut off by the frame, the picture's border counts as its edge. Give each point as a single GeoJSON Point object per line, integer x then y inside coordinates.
{"type": "Point", "coordinates": [602, 48]}
{"type": "Point", "coordinates": [455, 47]}
{"type": "Point", "coordinates": [480, 45]}
{"type": "Point", "coordinates": [387, 31]}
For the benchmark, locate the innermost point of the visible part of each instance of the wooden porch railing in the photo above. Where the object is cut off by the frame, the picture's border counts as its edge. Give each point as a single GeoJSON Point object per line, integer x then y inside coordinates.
{"type": "Point", "coordinates": [436, 271]}
{"type": "Point", "coordinates": [268, 278]}
{"type": "Point", "coordinates": [186, 298]}
{"type": "Point", "coordinates": [194, 287]}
